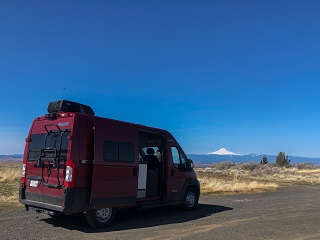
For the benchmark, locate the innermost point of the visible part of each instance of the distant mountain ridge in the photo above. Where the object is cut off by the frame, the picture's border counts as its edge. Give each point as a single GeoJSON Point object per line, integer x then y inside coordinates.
{"type": "Point", "coordinates": [224, 155]}
{"type": "Point", "coordinates": [11, 158]}
{"type": "Point", "coordinates": [214, 158]}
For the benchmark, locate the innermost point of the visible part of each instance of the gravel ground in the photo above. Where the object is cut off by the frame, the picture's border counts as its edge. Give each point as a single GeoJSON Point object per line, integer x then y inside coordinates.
{"type": "Point", "coordinates": [289, 213]}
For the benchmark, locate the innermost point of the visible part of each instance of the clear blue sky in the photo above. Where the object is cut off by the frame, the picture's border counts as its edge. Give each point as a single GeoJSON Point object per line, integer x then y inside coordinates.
{"type": "Point", "coordinates": [243, 75]}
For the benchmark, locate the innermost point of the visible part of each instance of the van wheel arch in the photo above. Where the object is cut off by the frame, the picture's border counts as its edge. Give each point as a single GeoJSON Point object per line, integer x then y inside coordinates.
{"type": "Point", "coordinates": [190, 183]}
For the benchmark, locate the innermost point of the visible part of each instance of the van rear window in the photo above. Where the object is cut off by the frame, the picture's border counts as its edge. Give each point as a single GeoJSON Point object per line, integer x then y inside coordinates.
{"type": "Point", "coordinates": [118, 152]}
{"type": "Point", "coordinates": [40, 142]}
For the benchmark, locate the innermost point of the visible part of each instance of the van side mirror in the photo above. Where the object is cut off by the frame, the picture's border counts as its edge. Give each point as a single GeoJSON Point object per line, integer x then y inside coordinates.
{"type": "Point", "coordinates": [190, 165]}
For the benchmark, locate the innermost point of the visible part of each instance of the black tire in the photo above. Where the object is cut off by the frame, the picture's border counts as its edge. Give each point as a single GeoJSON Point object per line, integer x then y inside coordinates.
{"type": "Point", "coordinates": [190, 199]}
{"type": "Point", "coordinates": [100, 218]}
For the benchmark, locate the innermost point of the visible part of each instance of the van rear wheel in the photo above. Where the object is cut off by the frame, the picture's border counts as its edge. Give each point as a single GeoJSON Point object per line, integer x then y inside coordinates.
{"type": "Point", "coordinates": [100, 218]}
{"type": "Point", "coordinates": [191, 198]}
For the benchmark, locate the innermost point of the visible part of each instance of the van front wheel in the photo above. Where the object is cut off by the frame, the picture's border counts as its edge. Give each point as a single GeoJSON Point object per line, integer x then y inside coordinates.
{"type": "Point", "coordinates": [101, 218]}
{"type": "Point", "coordinates": [191, 199]}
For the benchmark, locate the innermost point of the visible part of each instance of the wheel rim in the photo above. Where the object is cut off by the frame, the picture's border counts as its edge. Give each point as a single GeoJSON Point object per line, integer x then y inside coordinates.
{"type": "Point", "coordinates": [104, 214]}
{"type": "Point", "coordinates": [190, 199]}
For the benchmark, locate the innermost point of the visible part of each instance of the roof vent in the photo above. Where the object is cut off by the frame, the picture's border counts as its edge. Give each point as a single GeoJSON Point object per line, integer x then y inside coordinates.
{"type": "Point", "coordinates": [68, 106]}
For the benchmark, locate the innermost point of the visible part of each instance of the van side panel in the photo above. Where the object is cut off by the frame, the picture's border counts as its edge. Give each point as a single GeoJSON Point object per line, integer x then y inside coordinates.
{"type": "Point", "coordinates": [113, 186]}
{"type": "Point", "coordinates": [114, 183]}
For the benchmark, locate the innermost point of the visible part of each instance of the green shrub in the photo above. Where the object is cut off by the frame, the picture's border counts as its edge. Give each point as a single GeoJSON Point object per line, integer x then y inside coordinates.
{"type": "Point", "coordinates": [264, 160]}
{"type": "Point", "coordinates": [306, 166]}
{"type": "Point", "coordinates": [282, 160]}
{"type": "Point", "coordinates": [223, 165]}
{"type": "Point", "coordinates": [250, 166]}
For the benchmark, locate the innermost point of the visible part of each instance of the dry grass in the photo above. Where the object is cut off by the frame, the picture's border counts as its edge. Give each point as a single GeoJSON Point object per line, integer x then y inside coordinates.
{"type": "Point", "coordinates": [230, 178]}
{"type": "Point", "coordinates": [218, 185]}
{"type": "Point", "coordinates": [10, 174]}
{"type": "Point", "coordinates": [293, 176]}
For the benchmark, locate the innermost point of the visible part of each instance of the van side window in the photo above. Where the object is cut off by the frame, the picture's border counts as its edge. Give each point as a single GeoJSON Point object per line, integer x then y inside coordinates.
{"type": "Point", "coordinates": [178, 158]}
{"type": "Point", "coordinates": [118, 152]}
{"type": "Point", "coordinates": [175, 156]}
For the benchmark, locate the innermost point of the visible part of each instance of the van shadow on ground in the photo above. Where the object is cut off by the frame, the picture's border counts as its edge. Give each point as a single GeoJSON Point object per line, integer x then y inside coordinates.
{"type": "Point", "coordinates": [133, 219]}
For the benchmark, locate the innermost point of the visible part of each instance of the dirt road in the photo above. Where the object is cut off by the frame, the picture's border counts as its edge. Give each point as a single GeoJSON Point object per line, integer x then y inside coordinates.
{"type": "Point", "coordinates": [289, 213]}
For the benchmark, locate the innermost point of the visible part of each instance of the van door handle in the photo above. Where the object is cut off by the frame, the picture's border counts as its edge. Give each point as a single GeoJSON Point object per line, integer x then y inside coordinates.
{"type": "Point", "coordinates": [134, 172]}
{"type": "Point", "coordinates": [172, 172]}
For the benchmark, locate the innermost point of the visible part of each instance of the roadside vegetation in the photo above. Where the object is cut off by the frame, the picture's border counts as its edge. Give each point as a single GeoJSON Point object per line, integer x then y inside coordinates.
{"type": "Point", "coordinates": [10, 173]}
{"type": "Point", "coordinates": [231, 178]}
{"type": "Point", "coordinates": [219, 178]}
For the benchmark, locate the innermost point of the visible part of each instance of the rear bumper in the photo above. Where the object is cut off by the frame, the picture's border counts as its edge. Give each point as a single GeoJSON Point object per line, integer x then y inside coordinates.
{"type": "Point", "coordinates": [74, 200]}
{"type": "Point", "coordinates": [41, 205]}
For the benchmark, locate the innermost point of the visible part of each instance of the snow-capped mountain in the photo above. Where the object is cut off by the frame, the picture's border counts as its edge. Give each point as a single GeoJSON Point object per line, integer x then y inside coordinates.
{"type": "Point", "coordinates": [223, 151]}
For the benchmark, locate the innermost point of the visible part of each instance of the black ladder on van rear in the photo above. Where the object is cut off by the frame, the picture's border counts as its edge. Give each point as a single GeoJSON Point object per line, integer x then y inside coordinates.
{"type": "Point", "coordinates": [51, 155]}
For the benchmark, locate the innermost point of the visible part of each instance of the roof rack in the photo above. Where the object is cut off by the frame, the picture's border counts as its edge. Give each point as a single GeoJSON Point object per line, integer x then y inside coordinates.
{"type": "Point", "coordinates": [68, 106]}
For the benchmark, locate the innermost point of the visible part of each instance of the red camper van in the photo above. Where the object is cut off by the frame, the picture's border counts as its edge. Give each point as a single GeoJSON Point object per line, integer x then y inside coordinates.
{"type": "Point", "coordinates": [75, 162]}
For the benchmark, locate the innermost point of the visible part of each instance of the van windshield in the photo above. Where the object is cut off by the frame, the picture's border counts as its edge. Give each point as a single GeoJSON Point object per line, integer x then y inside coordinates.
{"type": "Point", "coordinates": [48, 147]}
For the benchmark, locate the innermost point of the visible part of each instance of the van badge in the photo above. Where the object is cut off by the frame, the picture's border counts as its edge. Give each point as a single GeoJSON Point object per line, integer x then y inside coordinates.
{"type": "Point", "coordinates": [62, 124]}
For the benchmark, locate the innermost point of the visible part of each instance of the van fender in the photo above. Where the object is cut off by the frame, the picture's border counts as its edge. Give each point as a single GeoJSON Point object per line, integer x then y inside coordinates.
{"type": "Point", "coordinates": [190, 182]}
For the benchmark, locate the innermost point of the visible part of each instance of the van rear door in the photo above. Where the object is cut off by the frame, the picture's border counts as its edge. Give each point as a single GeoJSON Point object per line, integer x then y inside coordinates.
{"type": "Point", "coordinates": [115, 171]}
{"type": "Point", "coordinates": [47, 150]}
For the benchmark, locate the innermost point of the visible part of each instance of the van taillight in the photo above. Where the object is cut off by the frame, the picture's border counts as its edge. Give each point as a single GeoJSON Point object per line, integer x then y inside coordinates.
{"type": "Point", "coordinates": [70, 168]}
{"type": "Point", "coordinates": [69, 171]}
{"type": "Point", "coordinates": [23, 172]}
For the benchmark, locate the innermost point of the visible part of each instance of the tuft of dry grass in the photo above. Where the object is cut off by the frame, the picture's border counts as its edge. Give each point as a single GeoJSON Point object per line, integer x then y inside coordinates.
{"type": "Point", "coordinates": [8, 175]}
{"type": "Point", "coordinates": [9, 185]}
